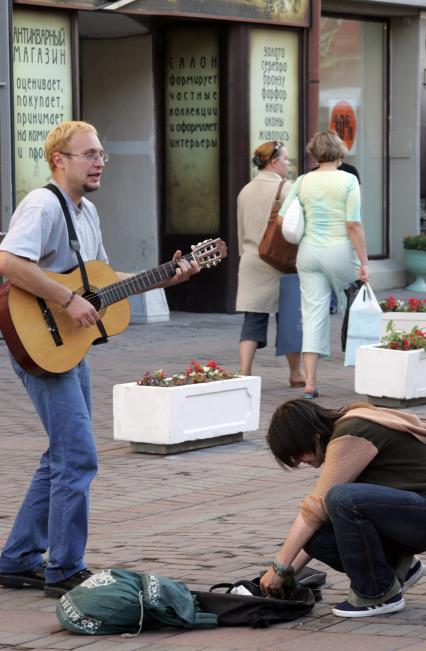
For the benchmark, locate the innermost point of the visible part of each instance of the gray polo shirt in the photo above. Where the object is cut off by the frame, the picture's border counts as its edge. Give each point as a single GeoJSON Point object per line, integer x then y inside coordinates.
{"type": "Point", "coordinates": [38, 231]}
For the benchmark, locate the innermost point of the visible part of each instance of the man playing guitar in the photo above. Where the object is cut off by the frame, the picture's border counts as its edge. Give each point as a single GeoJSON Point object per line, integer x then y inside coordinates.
{"type": "Point", "coordinates": [54, 513]}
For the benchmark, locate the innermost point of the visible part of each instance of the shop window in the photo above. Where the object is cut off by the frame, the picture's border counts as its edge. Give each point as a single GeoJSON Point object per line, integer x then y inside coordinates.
{"type": "Point", "coordinates": [353, 100]}
{"type": "Point", "coordinates": [274, 91]}
{"type": "Point", "coordinates": [192, 131]}
{"type": "Point", "coordinates": [42, 80]}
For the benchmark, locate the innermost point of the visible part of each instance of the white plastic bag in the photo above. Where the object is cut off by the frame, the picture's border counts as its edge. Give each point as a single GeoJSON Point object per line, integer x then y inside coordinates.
{"type": "Point", "coordinates": [293, 225]}
{"type": "Point", "coordinates": [365, 316]}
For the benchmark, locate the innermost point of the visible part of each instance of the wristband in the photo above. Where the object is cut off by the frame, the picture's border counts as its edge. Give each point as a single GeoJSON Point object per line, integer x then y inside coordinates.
{"type": "Point", "coordinates": [282, 570]}
{"type": "Point", "coordinates": [287, 574]}
{"type": "Point", "coordinates": [69, 301]}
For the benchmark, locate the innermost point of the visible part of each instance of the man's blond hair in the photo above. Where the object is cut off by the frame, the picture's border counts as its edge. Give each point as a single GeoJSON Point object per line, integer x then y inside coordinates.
{"type": "Point", "coordinates": [59, 137]}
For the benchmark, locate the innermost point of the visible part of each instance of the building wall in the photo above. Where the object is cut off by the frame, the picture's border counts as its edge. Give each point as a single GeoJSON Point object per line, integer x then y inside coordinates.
{"type": "Point", "coordinates": [118, 98]}
{"type": "Point", "coordinates": [404, 135]}
{"type": "Point", "coordinates": [422, 85]}
{"type": "Point", "coordinates": [406, 76]}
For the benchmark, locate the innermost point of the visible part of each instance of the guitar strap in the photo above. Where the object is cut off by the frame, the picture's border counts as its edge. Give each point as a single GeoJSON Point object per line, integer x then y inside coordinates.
{"type": "Point", "coordinates": [75, 245]}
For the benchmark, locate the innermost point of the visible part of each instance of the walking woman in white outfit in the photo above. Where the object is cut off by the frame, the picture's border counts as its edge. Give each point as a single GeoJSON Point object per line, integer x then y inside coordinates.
{"type": "Point", "coordinates": [332, 252]}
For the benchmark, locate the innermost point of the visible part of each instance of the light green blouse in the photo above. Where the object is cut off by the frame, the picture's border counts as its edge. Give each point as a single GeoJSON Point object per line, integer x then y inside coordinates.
{"type": "Point", "coordinates": [329, 200]}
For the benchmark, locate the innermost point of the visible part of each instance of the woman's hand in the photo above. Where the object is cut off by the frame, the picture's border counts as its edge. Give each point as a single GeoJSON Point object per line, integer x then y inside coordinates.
{"type": "Point", "coordinates": [363, 273]}
{"type": "Point", "coordinates": [271, 584]}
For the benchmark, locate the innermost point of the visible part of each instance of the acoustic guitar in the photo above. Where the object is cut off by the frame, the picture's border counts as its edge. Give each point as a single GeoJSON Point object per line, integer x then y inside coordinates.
{"type": "Point", "coordinates": [41, 335]}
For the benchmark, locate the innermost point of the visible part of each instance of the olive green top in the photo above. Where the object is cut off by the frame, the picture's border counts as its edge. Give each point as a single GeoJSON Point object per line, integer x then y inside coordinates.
{"type": "Point", "coordinates": [401, 459]}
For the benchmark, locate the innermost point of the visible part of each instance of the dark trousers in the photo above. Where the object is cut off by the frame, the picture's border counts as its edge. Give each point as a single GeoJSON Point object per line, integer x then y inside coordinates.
{"type": "Point", "coordinates": [371, 529]}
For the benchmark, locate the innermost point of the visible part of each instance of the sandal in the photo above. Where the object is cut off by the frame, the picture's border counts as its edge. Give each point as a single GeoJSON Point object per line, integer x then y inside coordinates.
{"type": "Point", "coordinates": [310, 395]}
{"type": "Point", "coordinates": [296, 384]}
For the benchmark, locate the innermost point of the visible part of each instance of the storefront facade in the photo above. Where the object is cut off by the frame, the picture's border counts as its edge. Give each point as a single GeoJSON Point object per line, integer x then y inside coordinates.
{"type": "Point", "coordinates": [371, 62]}
{"type": "Point", "coordinates": [181, 96]}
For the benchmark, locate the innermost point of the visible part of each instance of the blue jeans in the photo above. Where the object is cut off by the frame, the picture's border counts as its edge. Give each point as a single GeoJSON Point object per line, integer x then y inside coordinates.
{"type": "Point", "coordinates": [371, 529]}
{"type": "Point", "coordinates": [54, 513]}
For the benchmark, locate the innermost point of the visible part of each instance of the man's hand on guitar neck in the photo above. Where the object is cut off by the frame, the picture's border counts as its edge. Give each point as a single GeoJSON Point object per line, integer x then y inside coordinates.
{"type": "Point", "coordinates": [184, 270]}
{"type": "Point", "coordinates": [81, 311]}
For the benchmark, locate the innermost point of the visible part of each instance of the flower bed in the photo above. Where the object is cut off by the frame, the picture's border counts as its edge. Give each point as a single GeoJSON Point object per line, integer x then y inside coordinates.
{"type": "Point", "coordinates": [412, 304]}
{"type": "Point", "coordinates": [203, 406]}
{"type": "Point", "coordinates": [396, 339]}
{"type": "Point", "coordinates": [195, 373]}
{"type": "Point", "coordinates": [405, 314]}
{"type": "Point", "coordinates": [393, 373]}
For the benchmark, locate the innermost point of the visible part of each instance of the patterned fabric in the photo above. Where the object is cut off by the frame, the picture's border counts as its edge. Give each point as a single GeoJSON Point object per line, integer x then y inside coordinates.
{"type": "Point", "coordinates": [107, 602]}
{"type": "Point", "coordinates": [123, 601]}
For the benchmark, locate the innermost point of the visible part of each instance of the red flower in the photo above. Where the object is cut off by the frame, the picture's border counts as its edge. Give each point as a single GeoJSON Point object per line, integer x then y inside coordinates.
{"type": "Point", "coordinates": [196, 366]}
{"type": "Point", "coordinates": [413, 304]}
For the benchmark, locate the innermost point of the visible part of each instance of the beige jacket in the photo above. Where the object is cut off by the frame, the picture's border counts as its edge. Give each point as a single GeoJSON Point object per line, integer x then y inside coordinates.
{"type": "Point", "coordinates": [258, 282]}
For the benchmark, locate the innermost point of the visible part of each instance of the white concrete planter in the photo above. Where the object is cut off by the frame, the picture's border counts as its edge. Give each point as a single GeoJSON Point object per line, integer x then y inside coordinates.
{"type": "Point", "coordinates": [172, 419]}
{"type": "Point", "coordinates": [405, 321]}
{"type": "Point", "coordinates": [382, 373]}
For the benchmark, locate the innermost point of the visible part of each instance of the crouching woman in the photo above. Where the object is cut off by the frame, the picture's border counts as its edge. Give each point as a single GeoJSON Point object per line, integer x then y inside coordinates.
{"type": "Point", "coordinates": [367, 514]}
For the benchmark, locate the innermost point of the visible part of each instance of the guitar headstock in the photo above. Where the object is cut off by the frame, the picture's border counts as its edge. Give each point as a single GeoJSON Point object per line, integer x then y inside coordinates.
{"type": "Point", "coordinates": [210, 252]}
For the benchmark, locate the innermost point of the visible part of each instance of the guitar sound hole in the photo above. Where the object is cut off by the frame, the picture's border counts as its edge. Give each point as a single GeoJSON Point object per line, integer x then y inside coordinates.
{"type": "Point", "coordinates": [94, 299]}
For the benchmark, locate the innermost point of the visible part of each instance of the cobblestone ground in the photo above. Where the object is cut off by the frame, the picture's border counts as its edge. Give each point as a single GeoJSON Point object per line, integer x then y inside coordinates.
{"type": "Point", "coordinates": [201, 517]}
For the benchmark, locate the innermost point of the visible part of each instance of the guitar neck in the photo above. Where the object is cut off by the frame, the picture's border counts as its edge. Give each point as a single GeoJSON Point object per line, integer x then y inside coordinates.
{"type": "Point", "coordinates": [139, 283]}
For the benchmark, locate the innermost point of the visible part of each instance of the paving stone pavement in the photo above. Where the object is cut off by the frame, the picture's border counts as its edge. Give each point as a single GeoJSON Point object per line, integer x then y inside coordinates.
{"type": "Point", "coordinates": [200, 517]}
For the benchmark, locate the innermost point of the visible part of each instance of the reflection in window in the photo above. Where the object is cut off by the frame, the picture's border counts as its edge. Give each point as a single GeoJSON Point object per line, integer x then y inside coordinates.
{"type": "Point", "coordinates": [352, 101]}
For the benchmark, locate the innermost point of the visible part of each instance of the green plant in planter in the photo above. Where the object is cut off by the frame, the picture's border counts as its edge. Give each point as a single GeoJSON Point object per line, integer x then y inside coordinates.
{"type": "Point", "coordinates": [195, 373]}
{"type": "Point", "coordinates": [415, 242]}
{"type": "Point", "coordinates": [400, 340]}
{"type": "Point", "coordinates": [415, 260]}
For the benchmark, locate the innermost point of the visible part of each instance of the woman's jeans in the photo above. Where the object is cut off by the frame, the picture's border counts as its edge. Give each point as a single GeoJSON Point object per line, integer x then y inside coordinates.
{"type": "Point", "coordinates": [54, 513]}
{"type": "Point", "coordinates": [371, 529]}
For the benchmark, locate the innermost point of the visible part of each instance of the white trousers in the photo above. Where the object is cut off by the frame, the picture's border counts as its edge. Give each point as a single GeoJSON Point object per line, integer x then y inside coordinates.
{"type": "Point", "coordinates": [322, 269]}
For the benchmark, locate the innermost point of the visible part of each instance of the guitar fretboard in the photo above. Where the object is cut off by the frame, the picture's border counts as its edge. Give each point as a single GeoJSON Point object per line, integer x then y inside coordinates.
{"type": "Point", "coordinates": [139, 283]}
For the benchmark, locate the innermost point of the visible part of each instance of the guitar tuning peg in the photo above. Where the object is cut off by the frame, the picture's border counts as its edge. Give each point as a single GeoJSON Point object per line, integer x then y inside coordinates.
{"type": "Point", "coordinates": [192, 247]}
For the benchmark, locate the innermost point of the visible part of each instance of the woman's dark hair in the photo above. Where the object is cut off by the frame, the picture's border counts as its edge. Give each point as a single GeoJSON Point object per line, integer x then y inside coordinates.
{"type": "Point", "coordinates": [295, 427]}
{"type": "Point", "coordinates": [266, 153]}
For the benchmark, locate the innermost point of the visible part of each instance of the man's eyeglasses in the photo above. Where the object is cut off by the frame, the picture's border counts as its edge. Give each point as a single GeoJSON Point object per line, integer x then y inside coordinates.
{"type": "Point", "coordinates": [89, 157]}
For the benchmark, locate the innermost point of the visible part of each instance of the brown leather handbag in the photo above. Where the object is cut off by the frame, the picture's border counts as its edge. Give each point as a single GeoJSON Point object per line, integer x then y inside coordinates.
{"type": "Point", "coordinates": [273, 248]}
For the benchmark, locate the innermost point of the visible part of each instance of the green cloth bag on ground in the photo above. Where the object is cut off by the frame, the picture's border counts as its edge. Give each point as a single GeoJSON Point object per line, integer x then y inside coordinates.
{"type": "Point", "coordinates": [108, 602]}
{"type": "Point", "coordinates": [123, 601]}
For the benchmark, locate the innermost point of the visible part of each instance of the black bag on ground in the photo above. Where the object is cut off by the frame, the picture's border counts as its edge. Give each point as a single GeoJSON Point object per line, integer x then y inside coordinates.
{"type": "Point", "coordinates": [351, 293]}
{"type": "Point", "coordinates": [258, 611]}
